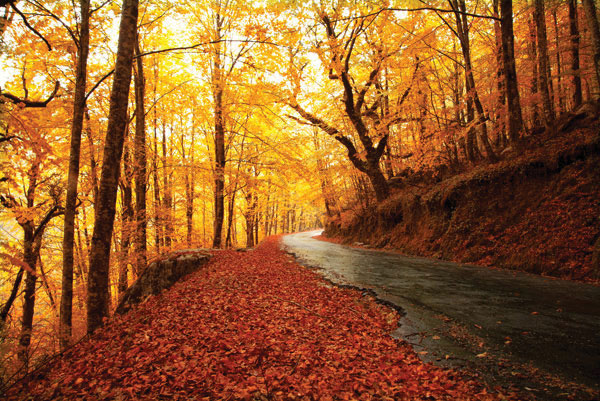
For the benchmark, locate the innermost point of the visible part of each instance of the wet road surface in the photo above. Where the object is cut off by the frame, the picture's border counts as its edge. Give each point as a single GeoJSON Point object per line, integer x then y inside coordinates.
{"type": "Point", "coordinates": [538, 335]}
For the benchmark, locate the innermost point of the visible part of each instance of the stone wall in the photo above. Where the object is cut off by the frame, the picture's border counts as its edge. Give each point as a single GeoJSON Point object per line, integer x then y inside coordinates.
{"type": "Point", "coordinates": [162, 274]}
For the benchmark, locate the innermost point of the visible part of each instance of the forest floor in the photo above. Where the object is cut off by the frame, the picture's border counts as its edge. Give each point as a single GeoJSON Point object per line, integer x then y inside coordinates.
{"type": "Point", "coordinates": [255, 326]}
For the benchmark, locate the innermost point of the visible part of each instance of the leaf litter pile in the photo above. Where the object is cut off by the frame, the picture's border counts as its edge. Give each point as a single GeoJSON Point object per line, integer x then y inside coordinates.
{"type": "Point", "coordinates": [253, 326]}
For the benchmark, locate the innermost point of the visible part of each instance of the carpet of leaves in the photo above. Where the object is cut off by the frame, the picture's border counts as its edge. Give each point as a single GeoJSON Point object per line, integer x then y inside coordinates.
{"type": "Point", "coordinates": [253, 326]}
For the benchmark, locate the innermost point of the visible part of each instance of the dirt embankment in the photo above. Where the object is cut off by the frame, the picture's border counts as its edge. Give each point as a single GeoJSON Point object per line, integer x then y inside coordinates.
{"type": "Point", "coordinates": [537, 210]}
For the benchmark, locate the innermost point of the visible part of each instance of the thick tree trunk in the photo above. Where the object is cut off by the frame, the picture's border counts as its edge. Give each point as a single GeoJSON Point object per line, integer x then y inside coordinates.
{"type": "Point", "coordinates": [219, 141]}
{"type": "Point", "coordinates": [501, 102]}
{"type": "Point", "coordinates": [594, 27]}
{"type": "Point", "coordinates": [31, 251]}
{"type": "Point", "coordinates": [140, 164]}
{"type": "Point", "coordinates": [577, 97]}
{"type": "Point", "coordinates": [515, 118]}
{"type": "Point", "coordinates": [378, 181]}
{"type": "Point", "coordinates": [543, 61]}
{"type": "Point", "coordinates": [66, 300]}
{"type": "Point", "coordinates": [98, 291]}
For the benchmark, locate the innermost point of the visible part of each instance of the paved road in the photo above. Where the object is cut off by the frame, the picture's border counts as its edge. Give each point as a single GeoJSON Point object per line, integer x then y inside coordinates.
{"type": "Point", "coordinates": [539, 335]}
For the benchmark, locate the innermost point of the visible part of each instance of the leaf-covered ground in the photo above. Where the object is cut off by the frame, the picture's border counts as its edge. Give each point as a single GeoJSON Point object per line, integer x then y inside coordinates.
{"type": "Point", "coordinates": [252, 326]}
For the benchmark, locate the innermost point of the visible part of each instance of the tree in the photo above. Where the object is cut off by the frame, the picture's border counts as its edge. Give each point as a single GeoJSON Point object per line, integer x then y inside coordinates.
{"type": "Point", "coordinates": [513, 102]}
{"type": "Point", "coordinates": [340, 50]}
{"type": "Point", "coordinates": [66, 301]}
{"type": "Point", "coordinates": [574, 32]}
{"type": "Point", "coordinates": [594, 27]}
{"type": "Point", "coordinates": [543, 60]}
{"type": "Point", "coordinates": [140, 162]}
{"type": "Point", "coordinates": [98, 296]}
{"type": "Point", "coordinates": [218, 82]}
{"type": "Point", "coordinates": [33, 232]}
{"type": "Point", "coordinates": [462, 33]}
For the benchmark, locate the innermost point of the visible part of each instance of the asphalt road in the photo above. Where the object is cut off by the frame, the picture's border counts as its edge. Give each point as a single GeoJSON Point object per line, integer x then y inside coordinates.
{"type": "Point", "coordinates": [514, 330]}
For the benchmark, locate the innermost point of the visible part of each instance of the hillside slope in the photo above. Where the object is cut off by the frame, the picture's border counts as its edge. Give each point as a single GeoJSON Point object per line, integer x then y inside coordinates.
{"type": "Point", "coordinates": [537, 210]}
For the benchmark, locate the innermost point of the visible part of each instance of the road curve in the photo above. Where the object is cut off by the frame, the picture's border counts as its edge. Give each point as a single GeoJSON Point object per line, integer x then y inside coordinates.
{"type": "Point", "coordinates": [539, 335]}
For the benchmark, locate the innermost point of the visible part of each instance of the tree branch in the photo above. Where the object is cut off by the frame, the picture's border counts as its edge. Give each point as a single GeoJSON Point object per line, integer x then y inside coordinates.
{"type": "Point", "coordinates": [32, 29]}
{"type": "Point", "coordinates": [30, 103]}
{"type": "Point", "coordinates": [331, 131]}
{"type": "Point", "coordinates": [56, 210]}
{"type": "Point", "coordinates": [424, 8]}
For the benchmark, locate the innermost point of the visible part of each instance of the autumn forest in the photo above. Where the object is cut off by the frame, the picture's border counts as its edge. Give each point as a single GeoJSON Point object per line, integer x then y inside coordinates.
{"type": "Point", "coordinates": [130, 130]}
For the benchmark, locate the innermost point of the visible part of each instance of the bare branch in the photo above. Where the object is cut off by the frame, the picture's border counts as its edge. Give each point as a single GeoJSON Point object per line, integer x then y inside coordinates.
{"type": "Point", "coordinates": [32, 29]}
{"type": "Point", "coordinates": [30, 103]}
{"type": "Point", "coordinates": [334, 132]}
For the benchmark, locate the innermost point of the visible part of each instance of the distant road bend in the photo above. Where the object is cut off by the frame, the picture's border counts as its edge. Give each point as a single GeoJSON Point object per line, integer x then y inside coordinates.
{"type": "Point", "coordinates": [537, 334]}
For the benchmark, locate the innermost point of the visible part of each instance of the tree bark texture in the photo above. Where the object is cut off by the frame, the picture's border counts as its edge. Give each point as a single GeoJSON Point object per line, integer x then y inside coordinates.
{"type": "Point", "coordinates": [98, 278]}
{"type": "Point", "coordinates": [66, 300]}
{"type": "Point", "coordinates": [513, 102]}
{"type": "Point", "coordinates": [577, 97]}
{"type": "Point", "coordinates": [219, 169]}
{"type": "Point", "coordinates": [543, 60]}
{"type": "Point", "coordinates": [140, 164]}
{"type": "Point", "coordinates": [594, 27]}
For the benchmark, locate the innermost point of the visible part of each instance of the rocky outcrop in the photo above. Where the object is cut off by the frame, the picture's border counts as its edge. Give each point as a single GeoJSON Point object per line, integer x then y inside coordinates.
{"type": "Point", "coordinates": [162, 274]}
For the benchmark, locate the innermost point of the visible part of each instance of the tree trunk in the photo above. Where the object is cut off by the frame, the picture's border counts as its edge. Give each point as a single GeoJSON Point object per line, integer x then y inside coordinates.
{"type": "Point", "coordinates": [543, 61]}
{"type": "Point", "coordinates": [533, 56]}
{"type": "Point", "coordinates": [140, 162]}
{"type": "Point", "coordinates": [219, 167]}
{"type": "Point", "coordinates": [230, 213]}
{"type": "Point", "coordinates": [11, 298]}
{"type": "Point", "coordinates": [31, 251]}
{"type": "Point", "coordinates": [66, 300]}
{"type": "Point", "coordinates": [515, 118]}
{"type": "Point", "coordinates": [576, 73]}
{"type": "Point", "coordinates": [167, 197]}
{"type": "Point", "coordinates": [190, 193]}
{"type": "Point", "coordinates": [462, 26]}
{"type": "Point", "coordinates": [594, 27]}
{"type": "Point", "coordinates": [559, 90]}
{"type": "Point", "coordinates": [127, 222]}
{"type": "Point", "coordinates": [501, 102]}
{"type": "Point", "coordinates": [98, 280]}
{"type": "Point", "coordinates": [378, 181]}
{"type": "Point", "coordinates": [158, 237]}
{"type": "Point", "coordinates": [249, 216]}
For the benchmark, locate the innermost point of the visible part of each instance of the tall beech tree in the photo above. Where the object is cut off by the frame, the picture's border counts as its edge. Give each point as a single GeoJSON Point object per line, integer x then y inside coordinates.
{"type": "Point", "coordinates": [66, 300]}
{"type": "Point", "coordinates": [98, 300]}
{"type": "Point", "coordinates": [218, 83]}
{"type": "Point", "coordinates": [513, 100]}
{"type": "Point", "coordinates": [140, 163]}
{"type": "Point", "coordinates": [543, 60]}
